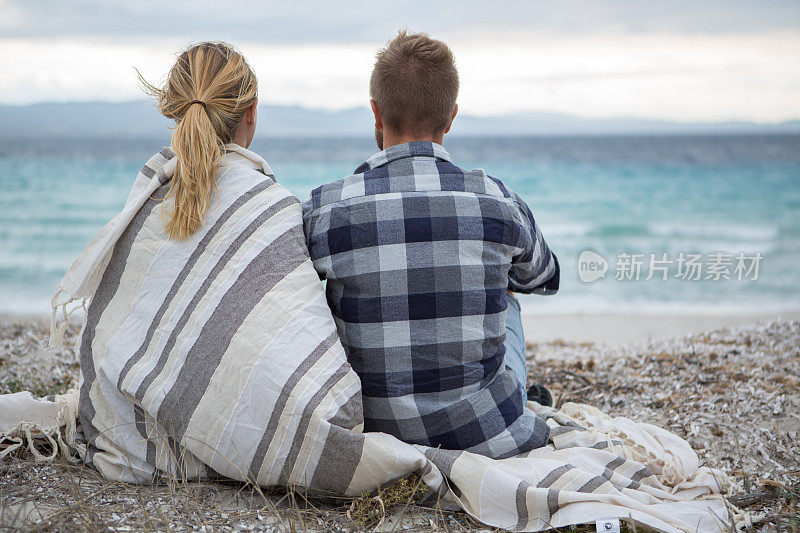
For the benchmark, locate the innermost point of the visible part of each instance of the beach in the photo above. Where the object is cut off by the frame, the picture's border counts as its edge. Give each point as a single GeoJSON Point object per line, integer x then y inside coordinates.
{"type": "Point", "coordinates": [731, 390]}
{"type": "Point", "coordinates": [599, 327]}
{"type": "Point", "coordinates": [633, 326]}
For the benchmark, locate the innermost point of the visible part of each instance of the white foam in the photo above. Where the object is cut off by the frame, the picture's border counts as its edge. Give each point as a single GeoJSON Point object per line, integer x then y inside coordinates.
{"type": "Point", "coordinates": [728, 232]}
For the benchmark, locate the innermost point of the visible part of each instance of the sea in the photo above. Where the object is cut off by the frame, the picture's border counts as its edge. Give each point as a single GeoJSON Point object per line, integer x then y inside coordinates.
{"type": "Point", "coordinates": [638, 223]}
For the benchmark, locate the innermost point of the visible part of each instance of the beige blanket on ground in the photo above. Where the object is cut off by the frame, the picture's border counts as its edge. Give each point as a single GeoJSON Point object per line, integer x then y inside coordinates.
{"type": "Point", "coordinates": [218, 355]}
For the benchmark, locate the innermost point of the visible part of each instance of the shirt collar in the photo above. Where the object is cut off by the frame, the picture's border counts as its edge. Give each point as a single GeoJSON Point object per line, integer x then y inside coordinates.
{"type": "Point", "coordinates": [400, 151]}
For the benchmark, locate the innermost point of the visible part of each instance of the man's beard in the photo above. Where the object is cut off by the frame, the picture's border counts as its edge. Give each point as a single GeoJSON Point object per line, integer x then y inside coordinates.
{"type": "Point", "coordinates": [379, 138]}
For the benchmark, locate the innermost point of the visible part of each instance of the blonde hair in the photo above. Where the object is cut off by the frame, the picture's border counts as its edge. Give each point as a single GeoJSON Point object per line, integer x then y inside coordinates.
{"type": "Point", "coordinates": [207, 92]}
{"type": "Point", "coordinates": [415, 83]}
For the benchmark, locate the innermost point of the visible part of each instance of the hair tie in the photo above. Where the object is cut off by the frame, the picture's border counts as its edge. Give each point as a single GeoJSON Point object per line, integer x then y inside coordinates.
{"type": "Point", "coordinates": [202, 103]}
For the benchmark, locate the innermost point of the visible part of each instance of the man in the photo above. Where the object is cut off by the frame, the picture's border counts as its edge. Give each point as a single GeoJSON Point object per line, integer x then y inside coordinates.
{"type": "Point", "coordinates": [418, 255]}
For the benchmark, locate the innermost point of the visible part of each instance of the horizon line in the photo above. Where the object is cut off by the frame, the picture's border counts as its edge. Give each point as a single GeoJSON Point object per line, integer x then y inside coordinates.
{"type": "Point", "coordinates": [732, 121]}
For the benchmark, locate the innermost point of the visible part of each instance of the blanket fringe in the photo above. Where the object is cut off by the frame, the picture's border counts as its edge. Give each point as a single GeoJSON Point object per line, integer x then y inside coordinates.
{"type": "Point", "coordinates": [62, 436]}
{"type": "Point", "coordinates": [669, 475]}
{"type": "Point", "coordinates": [58, 327]}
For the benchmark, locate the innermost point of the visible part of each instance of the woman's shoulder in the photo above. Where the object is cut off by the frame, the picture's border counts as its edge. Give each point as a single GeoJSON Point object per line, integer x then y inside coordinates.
{"type": "Point", "coordinates": [246, 184]}
{"type": "Point", "coordinates": [245, 167]}
{"type": "Point", "coordinates": [157, 163]}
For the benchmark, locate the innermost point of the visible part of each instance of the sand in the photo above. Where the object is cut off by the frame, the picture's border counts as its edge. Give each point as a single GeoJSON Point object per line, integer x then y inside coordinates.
{"type": "Point", "coordinates": [732, 391]}
{"type": "Point", "coordinates": [631, 326]}
{"type": "Point", "coordinates": [608, 327]}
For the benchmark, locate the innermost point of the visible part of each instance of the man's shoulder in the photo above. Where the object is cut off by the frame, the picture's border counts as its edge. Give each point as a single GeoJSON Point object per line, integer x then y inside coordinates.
{"type": "Point", "coordinates": [448, 178]}
{"type": "Point", "coordinates": [335, 191]}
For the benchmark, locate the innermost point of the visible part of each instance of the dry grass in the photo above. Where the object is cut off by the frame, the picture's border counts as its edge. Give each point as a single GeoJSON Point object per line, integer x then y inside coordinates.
{"type": "Point", "coordinates": [59, 496]}
{"type": "Point", "coordinates": [733, 394]}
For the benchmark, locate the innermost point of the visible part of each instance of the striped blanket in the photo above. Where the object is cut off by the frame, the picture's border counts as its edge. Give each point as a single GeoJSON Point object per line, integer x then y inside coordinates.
{"type": "Point", "coordinates": [218, 355]}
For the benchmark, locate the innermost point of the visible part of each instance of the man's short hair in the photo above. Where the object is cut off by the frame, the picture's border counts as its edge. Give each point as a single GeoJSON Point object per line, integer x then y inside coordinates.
{"type": "Point", "coordinates": [415, 83]}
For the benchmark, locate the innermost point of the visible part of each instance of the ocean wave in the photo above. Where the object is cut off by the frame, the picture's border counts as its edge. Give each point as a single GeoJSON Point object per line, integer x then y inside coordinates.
{"type": "Point", "coordinates": [567, 230]}
{"type": "Point", "coordinates": [727, 232]}
{"type": "Point", "coordinates": [716, 230]}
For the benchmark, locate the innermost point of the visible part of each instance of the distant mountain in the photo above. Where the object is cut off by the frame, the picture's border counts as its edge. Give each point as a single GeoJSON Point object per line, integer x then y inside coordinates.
{"type": "Point", "coordinates": [531, 123]}
{"type": "Point", "coordinates": [140, 119]}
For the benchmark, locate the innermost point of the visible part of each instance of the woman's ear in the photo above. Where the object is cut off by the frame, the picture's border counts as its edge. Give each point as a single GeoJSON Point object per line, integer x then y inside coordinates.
{"type": "Point", "coordinates": [252, 113]}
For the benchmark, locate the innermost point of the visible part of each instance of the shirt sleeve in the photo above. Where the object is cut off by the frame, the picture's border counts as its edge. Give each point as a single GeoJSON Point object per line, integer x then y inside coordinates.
{"type": "Point", "coordinates": [308, 230]}
{"type": "Point", "coordinates": [535, 270]}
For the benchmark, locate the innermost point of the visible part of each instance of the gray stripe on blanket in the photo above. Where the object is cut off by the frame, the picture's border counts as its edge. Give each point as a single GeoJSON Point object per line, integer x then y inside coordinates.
{"type": "Point", "coordinates": [102, 297]}
{"type": "Point", "coordinates": [641, 474]}
{"type": "Point", "coordinates": [155, 164]}
{"type": "Point", "coordinates": [443, 459]}
{"type": "Point", "coordinates": [305, 419]}
{"type": "Point", "coordinates": [208, 282]}
{"type": "Point", "coordinates": [619, 461]}
{"type": "Point", "coordinates": [141, 426]}
{"type": "Point", "coordinates": [340, 457]}
{"type": "Point", "coordinates": [638, 476]}
{"type": "Point", "coordinates": [184, 273]}
{"type": "Point", "coordinates": [562, 430]}
{"type": "Point", "coordinates": [602, 445]}
{"type": "Point", "coordinates": [280, 403]}
{"type": "Point", "coordinates": [593, 484]}
{"type": "Point", "coordinates": [552, 501]}
{"type": "Point", "coordinates": [350, 414]}
{"type": "Point", "coordinates": [554, 476]}
{"type": "Point", "coordinates": [255, 281]}
{"type": "Point", "coordinates": [611, 467]}
{"type": "Point", "coordinates": [147, 171]}
{"type": "Point", "coordinates": [522, 505]}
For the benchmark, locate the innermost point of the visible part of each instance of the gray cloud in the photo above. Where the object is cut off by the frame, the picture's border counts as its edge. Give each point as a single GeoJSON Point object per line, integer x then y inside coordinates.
{"type": "Point", "coordinates": [316, 21]}
{"type": "Point", "coordinates": [633, 74]}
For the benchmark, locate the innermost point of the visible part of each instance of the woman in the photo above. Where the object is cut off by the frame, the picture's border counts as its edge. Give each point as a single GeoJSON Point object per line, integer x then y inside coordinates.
{"type": "Point", "coordinates": [208, 345]}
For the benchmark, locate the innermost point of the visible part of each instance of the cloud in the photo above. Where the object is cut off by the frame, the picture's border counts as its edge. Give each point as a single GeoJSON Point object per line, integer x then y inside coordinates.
{"type": "Point", "coordinates": [662, 76]}
{"type": "Point", "coordinates": [621, 71]}
{"type": "Point", "coordinates": [322, 21]}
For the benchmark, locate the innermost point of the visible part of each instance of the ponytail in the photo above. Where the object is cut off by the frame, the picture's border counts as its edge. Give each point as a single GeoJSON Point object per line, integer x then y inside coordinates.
{"type": "Point", "coordinates": [207, 93]}
{"type": "Point", "coordinates": [198, 150]}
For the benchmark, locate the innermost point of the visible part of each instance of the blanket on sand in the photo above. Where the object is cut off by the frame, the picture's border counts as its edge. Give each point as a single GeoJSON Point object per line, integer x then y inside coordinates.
{"type": "Point", "coordinates": [218, 355]}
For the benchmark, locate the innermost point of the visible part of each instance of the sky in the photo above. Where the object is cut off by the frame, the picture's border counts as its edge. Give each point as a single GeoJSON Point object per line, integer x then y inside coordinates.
{"type": "Point", "coordinates": [683, 61]}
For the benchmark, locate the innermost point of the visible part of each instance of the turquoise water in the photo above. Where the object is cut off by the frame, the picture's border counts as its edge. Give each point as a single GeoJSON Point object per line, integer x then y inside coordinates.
{"type": "Point", "coordinates": [612, 195]}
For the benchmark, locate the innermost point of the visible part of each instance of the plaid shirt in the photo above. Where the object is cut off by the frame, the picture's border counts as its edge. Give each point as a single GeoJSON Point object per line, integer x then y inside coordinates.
{"type": "Point", "coordinates": [418, 254]}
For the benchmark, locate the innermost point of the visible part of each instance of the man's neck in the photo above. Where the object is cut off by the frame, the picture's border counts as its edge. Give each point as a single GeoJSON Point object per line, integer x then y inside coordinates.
{"type": "Point", "coordinates": [393, 139]}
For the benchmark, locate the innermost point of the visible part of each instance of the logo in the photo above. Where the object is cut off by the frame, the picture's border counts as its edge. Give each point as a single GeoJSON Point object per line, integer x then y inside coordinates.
{"type": "Point", "coordinates": [607, 525]}
{"type": "Point", "coordinates": [591, 266]}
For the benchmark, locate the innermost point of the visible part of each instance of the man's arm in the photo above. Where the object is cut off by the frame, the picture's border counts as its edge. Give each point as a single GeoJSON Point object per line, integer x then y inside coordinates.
{"type": "Point", "coordinates": [308, 229]}
{"type": "Point", "coordinates": [536, 269]}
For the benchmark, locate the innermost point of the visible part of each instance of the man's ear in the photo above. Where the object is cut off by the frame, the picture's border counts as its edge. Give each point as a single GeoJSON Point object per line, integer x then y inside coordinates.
{"type": "Point", "coordinates": [377, 112]}
{"type": "Point", "coordinates": [455, 112]}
